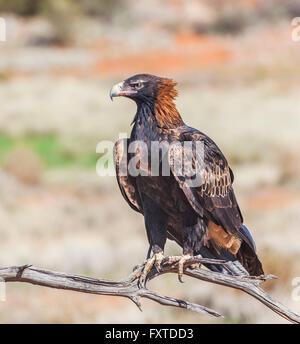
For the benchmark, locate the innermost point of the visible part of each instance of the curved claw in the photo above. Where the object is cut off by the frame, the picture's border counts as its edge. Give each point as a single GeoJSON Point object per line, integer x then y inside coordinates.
{"type": "Point", "coordinates": [156, 261]}
{"type": "Point", "coordinates": [181, 261]}
{"type": "Point", "coordinates": [180, 279]}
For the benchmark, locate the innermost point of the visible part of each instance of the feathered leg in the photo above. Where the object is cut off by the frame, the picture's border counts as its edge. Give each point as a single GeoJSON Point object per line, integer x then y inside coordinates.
{"type": "Point", "coordinates": [155, 222]}
{"type": "Point", "coordinates": [193, 239]}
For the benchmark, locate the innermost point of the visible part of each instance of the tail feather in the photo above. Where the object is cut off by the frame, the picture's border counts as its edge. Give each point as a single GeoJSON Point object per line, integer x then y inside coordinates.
{"type": "Point", "coordinates": [233, 267]}
{"type": "Point", "coordinates": [249, 260]}
{"type": "Point", "coordinates": [247, 234]}
{"type": "Point", "coordinates": [247, 254]}
{"type": "Point", "coordinates": [245, 262]}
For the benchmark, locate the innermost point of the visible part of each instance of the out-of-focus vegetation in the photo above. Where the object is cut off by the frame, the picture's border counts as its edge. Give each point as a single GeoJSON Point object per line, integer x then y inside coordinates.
{"type": "Point", "coordinates": [101, 8]}
{"type": "Point", "coordinates": [227, 17]}
{"type": "Point", "coordinates": [50, 150]}
{"type": "Point", "coordinates": [237, 71]}
{"type": "Point", "coordinates": [21, 7]}
{"type": "Point", "coordinates": [235, 18]}
{"type": "Point", "coordinates": [61, 14]}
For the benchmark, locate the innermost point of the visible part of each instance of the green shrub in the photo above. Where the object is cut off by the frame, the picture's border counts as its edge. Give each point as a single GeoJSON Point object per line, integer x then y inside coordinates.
{"type": "Point", "coordinates": [21, 7]}
{"type": "Point", "coordinates": [101, 8]}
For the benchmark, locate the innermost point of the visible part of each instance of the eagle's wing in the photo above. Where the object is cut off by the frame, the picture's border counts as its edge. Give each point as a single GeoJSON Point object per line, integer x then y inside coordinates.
{"type": "Point", "coordinates": [126, 182]}
{"type": "Point", "coordinates": [206, 180]}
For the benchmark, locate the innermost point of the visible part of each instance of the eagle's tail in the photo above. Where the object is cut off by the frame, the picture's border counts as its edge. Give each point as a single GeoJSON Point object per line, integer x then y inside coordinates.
{"type": "Point", "coordinates": [232, 267]}
{"type": "Point", "coordinates": [245, 262]}
{"type": "Point", "coordinates": [248, 258]}
{"type": "Point", "coordinates": [247, 254]}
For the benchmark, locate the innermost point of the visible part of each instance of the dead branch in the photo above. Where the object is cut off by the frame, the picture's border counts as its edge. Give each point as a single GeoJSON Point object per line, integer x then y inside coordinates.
{"type": "Point", "coordinates": [130, 288]}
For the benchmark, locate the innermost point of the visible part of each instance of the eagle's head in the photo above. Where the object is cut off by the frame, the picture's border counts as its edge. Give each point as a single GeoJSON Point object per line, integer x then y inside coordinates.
{"type": "Point", "coordinates": [156, 93]}
{"type": "Point", "coordinates": [145, 88]}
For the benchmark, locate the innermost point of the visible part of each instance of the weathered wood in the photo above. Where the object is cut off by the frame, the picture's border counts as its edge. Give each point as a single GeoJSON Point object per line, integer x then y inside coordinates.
{"type": "Point", "coordinates": [130, 288]}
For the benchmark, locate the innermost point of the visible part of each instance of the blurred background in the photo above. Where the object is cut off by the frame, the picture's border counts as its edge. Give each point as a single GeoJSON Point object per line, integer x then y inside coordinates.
{"type": "Point", "coordinates": [237, 69]}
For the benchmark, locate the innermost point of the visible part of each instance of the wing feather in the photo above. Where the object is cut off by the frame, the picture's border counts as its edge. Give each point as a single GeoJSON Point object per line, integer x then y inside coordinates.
{"type": "Point", "coordinates": [126, 182]}
{"type": "Point", "coordinates": [215, 193]}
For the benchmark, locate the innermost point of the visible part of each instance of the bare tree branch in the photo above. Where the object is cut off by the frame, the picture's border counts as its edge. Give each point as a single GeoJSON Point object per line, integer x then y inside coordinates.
{"type": "Point", "coordinates": [130, 288]}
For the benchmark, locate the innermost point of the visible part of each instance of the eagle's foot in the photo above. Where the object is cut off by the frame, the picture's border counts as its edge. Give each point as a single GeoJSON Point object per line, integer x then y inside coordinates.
{"type": "Point", "coordinates": [156, 260]}
{"type": "Point", "coordinates": [182, 262]}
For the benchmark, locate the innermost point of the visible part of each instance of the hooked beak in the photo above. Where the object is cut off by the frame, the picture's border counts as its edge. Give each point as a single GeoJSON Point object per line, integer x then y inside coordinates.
{"type": "Point", "coordinates": [119, 90]}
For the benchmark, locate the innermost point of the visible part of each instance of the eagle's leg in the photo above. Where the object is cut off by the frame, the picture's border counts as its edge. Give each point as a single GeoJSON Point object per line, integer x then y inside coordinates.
{"type": "Point", "coordinates": [192, 240]}
{"type": "Point", "coordinates": [155, 223]}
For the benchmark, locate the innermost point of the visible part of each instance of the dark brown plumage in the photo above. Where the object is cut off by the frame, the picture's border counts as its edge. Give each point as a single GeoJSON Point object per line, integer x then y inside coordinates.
{"type": "Point", "coordinates": [203, 219]}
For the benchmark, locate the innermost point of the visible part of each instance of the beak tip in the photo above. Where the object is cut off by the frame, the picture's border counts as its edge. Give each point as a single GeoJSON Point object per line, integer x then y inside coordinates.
{"type": "Point", "coordinates": [115, 90]}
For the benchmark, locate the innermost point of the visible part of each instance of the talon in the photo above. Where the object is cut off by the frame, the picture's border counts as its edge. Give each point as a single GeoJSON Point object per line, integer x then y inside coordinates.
{"type": "Point", "coordinates": [181, 261]}
{"type": "Point", "coordinates": [156, 261]}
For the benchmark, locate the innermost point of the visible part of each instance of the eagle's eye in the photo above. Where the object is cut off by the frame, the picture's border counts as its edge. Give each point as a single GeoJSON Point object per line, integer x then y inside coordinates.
{"type": "Point", "coordinates": [137, 85]}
